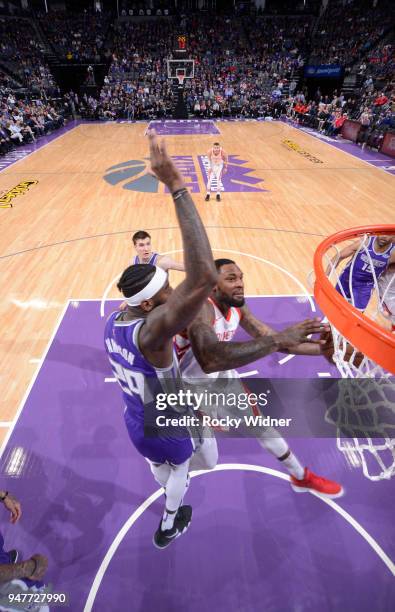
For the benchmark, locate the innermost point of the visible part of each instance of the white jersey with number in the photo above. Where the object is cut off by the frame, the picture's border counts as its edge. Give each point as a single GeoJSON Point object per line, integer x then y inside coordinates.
{"type": "Point", "coordinates": [225, 329]}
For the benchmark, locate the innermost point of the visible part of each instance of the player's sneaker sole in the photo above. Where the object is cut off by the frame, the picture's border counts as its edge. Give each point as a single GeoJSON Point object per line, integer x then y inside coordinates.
{"type": "Point", "coordinates": [162, 539]}
{"type": "Point", "coordinates": [307, 489]}
{"type": "Point", "coordinates": [207, 198]}
{"type": "Point", "coordinates": [320, 485]}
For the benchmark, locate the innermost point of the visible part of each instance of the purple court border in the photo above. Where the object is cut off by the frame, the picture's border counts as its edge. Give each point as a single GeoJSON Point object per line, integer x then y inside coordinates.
{"type": "Point", "coordinates": [375, 159]}
{"type": "Point", "coordinates": [25, 150]}
{"type": "Point", "coordinates": [254, 544]}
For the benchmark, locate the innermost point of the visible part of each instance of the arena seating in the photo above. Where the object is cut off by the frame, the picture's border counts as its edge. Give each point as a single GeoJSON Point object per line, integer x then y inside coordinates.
{"type": "Point", "coordinates": [245, 66]}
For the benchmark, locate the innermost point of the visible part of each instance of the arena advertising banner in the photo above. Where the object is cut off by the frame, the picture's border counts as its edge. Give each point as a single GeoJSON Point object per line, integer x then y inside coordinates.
{"type": "Point", "coordinates": [388, 144]}
{"type": "Point", "coordinates": [350, 130]}
{"type": "Point", "coordinates": [323, 71]}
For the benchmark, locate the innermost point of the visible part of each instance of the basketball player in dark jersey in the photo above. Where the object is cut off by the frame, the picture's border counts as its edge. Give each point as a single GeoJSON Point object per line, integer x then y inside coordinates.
{"type": "Point", "coordinates": [357, 280]}
{"type": "Point", "coordinates": [139, 343]}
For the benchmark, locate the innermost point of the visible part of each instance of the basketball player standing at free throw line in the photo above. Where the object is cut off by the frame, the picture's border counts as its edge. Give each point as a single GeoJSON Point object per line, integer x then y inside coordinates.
{"type": "Point", "coordinates": [218, 165]}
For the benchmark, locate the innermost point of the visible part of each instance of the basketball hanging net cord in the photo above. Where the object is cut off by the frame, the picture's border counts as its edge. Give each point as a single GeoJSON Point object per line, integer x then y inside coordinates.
{"type": "Point", "coordinates": [364, 409]}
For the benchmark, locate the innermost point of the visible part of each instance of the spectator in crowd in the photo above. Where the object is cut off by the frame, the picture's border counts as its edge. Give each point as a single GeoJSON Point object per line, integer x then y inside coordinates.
{"type": "Point", "coordinates": [18, 575]}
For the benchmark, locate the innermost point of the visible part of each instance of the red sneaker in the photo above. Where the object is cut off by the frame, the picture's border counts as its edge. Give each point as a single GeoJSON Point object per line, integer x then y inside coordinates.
{"type": "Point", "coordinates": [312, 482]}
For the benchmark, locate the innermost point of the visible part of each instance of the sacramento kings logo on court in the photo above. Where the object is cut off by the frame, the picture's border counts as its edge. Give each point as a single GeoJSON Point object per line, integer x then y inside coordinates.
{"type": "Point", "coordinates": [133, 175]}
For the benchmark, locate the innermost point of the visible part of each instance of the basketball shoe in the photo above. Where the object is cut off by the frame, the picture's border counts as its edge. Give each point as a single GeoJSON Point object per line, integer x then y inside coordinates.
{"type": "Point", "coordinates": [312, 482]}
{"type": "Point", "coordinates": [207, 197]}
{"type": "Point", "coordinates": [13, 556]}
{"type": "Point", "coordinates": [218, 197]}
{"type": "Point", "coordinates": [162, 538]}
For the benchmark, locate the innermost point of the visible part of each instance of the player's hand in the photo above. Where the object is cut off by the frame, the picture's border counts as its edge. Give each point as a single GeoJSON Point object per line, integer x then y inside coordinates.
{"type": "Point", "coordinates": [301, 332]}
{"type": "Point", "coordinates": [41, 567]}
{"type": "Point", "coordinates": [123, 306]}
{"type": "Point", "coordinates": [162, 166]}
{"type": "Point", "coordinates": [13, 505]}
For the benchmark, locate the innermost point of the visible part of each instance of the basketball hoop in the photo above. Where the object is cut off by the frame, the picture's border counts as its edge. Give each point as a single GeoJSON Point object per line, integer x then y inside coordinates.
{"type": "Point", "coordinates": [361, 331]}
{"type": "Point", "coordinates": [180, 76]}
{"type": "Point", "coordinates": [180, 69]}
{"type": "Point", "coordinates": [364, 410]}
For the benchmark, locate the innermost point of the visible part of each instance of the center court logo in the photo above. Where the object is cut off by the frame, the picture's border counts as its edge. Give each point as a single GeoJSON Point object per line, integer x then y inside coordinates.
{"type": "Point", "coordinates": [134, 176]}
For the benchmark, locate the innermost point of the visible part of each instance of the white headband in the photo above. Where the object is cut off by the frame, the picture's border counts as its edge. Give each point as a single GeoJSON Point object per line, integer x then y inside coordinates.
{"type": "Point", "coordinates": [156, 283]}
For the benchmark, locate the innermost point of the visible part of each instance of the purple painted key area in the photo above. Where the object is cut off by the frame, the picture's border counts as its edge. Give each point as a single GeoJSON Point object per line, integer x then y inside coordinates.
{"type": "Point", "coordinates": [182, 127]}
{"type": "Point", "coordinates": [254, 545]}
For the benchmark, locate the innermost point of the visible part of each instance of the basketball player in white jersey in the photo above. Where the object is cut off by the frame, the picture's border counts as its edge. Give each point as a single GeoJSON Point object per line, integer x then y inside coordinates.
{"type": "Point", "coordinates": [207, 350]}
{"type": "Point", "coordinates": [218, 165]}
{"type": "Point", "coordinates": [386, 285]}
{"type": "Point", "coordinates": [145, 254]}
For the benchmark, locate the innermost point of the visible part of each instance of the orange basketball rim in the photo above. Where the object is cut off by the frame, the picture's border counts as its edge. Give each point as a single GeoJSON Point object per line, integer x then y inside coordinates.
{"type": "Point", "coordinates": [361, 331]}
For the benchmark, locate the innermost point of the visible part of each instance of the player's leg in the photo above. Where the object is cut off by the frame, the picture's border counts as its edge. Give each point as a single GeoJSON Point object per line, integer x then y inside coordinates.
{"type": "Point", "coordinates": [206, 455]}
{"type": "Point", "coordinates": [176, 517]}
{"type": "Point", "coordinates": [218, 175]}
{"type": "Point", "coordinates": [210, 178]}
{"type": "Point", "coordinates": [302, 479]}
{"type": "Point", "coordinates": [169, 462]}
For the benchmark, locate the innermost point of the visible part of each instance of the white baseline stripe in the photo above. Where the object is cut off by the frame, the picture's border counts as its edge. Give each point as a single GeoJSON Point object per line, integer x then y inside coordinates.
{"type": "Point", "coordinates": [221, 467]}
{"type": "Point", "coordinates": [22, 404]}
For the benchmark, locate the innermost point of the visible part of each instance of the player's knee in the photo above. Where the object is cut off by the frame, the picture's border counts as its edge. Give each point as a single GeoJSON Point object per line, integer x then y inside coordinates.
{"type": "Point", "coordinates": [211, 457]}
{"type": "Point", "coordinates": [212, 462]}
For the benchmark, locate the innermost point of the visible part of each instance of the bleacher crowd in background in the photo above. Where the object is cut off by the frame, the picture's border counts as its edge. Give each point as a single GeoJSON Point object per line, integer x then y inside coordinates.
{"type": "Point", "coordinates": [246, 66]}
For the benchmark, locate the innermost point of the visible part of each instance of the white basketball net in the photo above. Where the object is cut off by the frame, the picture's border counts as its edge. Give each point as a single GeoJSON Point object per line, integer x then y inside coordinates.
{"type": "Point", "coordinates": [369, 405]}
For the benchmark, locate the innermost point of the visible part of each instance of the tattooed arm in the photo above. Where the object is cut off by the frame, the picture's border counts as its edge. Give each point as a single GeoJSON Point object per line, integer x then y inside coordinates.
{"type": "Point", "coordinates": [257, 329]}
{"type": "Point", "coordinates": [216, 356]}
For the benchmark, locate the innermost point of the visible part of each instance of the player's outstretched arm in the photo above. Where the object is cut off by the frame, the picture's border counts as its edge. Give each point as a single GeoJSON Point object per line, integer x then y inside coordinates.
{"type": "Point", "coordinates": [348, 251]}
{"type": "Point", "coordinates": [186, 300]}
{"type": "Point", "coordinates": [256, 329]}
{"type": "Point", "coordinates": [253, 326]}
{"type": "Point", "coordinates": [216, 356]}
{"type": "Point", "coordinates": [167, 263]}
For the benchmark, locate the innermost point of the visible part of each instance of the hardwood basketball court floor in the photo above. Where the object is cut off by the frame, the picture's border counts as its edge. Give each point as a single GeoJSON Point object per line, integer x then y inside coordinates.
{"type": "Point", "coordinates": [63, 244]}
